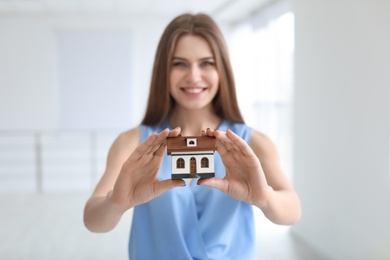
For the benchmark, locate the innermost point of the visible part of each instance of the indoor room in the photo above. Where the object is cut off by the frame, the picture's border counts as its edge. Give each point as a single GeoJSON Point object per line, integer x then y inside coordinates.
{"type": "Point", "coordinates": [313, 76]}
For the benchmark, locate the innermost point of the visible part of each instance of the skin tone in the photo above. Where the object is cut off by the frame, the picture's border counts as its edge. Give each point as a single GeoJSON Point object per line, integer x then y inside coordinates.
{"type": "Point", "coordinates": [194, 83]}
{"type": "Point", "coordinates": [253, 172]}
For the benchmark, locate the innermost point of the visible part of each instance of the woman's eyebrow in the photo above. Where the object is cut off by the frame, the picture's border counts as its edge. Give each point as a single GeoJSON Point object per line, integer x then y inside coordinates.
{"type": "Point", "coordinates": [207, 58]}
{"type": "Point", "coordinates": [184, 59]}
{"type": "Point", "coordinates": [178, 58]}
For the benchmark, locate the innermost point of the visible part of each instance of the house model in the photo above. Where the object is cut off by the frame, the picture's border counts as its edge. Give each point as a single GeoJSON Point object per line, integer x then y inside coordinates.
{"type": "Point", "coordinates": [192, 156]}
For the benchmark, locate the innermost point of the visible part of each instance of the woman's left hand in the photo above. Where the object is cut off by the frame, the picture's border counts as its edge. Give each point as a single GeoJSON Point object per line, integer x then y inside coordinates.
{"type": "Point", "coordinates": [245, 179]}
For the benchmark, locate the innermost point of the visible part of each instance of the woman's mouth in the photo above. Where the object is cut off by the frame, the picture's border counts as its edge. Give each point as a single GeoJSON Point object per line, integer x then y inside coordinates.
{"type": "Point", "coordinates": [193, 90]}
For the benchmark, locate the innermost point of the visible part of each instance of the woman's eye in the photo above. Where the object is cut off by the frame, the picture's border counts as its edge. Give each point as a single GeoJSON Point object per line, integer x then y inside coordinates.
{"type": "Point", "coordinates": [207, 63]}
{"type": "Point", "coordinates": [179, 64]}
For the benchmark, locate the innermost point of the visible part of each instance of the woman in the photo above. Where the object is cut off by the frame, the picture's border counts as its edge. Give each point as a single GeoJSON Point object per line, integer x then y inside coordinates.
{"type": "Point", "coordinates": [192, 93]}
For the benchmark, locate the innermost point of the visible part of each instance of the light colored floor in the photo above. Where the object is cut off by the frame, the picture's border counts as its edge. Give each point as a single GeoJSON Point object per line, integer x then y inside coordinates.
{"type": "Point", "coordinates": [40, 227]}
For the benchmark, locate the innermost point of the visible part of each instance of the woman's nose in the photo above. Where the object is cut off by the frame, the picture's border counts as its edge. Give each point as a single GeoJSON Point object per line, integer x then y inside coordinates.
{"type": "Point", "coordinates": [194, 74]}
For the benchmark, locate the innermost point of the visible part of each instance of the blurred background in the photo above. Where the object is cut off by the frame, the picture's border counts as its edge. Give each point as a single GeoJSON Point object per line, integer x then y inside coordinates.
{"type": "Point", "coordinates": [313, 75]}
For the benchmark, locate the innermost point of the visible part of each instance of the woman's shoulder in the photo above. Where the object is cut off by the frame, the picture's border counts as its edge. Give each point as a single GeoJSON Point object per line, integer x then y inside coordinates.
{"type": "Point", "coordinates": [122, 147]}
{"type": "Point", "coordinates": [129, 136]}
{"type": "Point", "coordinates": [263, 145]}
{"type": "Point", "coordinates": [127, 140]}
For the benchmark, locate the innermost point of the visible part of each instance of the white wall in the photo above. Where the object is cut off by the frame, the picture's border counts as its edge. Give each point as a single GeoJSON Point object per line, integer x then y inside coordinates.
{"type": "Point", "coordinates": [342, 116]}
{"type": "Point", "coordinates": [39, 140]}
{"type": "Point", "coordinates": [95, 79]}
{"type": "Point", "coordinates": [29, 73]}
{"type": "Point", "coordinates": [31, 82]}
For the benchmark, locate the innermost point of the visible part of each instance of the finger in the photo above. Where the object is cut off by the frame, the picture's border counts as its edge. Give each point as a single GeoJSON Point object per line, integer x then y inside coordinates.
{"type": "Point", "coordinates": [220, 184]}
{"type": "Point", "coordinates": [221, 148]}
{"type": "Point", "coordinates": [153, 161]}
{"type": "Point", "coordinates": [210, 132]}
{"type": "Point", "coordinates": [225, 144]}
{"type": "Point", "coordinates": [144, 147]}
{"type": "Point", "coordinates": [168, 184]}
{"type": "Point", "coordinates": [162, 136]}
{"type": "Point", "coordinates": [175, 132]}
{"type": "Point", "coordinates": [240, 143]}
{"type": "Point", "coordinates": [160, 151]}
{"type": "Point", "coordinates": [207, 132]}
{"type": "Point", "coordinates": [153, 149]}
{"type": "Point", "coordinates": [232, 141]}
{"type": "Point", "coordinates": [149, 145]}
{"type": "Point", "coordinates": [223, 137]}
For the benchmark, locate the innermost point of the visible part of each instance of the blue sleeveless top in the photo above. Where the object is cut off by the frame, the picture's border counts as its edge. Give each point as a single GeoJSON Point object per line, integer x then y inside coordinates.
{"type": "Point", "coordinates": [193, 222]}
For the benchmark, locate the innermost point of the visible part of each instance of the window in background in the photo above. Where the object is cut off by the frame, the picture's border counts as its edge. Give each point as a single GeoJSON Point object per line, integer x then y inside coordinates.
{"type": "Point", "coordinates": [263, 66]}
{"type": "Point", "coordinates": [94, 79]}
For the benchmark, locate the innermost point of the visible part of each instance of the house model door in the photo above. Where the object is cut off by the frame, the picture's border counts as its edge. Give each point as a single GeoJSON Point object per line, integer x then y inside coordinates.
{"type": "Point", "coordinates": [192, 165]}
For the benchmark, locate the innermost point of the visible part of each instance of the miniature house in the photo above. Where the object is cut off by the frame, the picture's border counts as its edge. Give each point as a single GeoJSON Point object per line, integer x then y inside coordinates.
{"type": "Point", "coordinates": [192, 156]}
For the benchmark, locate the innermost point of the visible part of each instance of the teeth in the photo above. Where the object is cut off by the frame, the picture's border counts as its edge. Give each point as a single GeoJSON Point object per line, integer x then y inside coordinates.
{"type": "Point", "coordinates": [193, 90]}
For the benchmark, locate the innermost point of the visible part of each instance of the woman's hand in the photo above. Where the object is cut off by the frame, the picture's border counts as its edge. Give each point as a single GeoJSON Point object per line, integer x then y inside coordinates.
{"type": "Point", "coordinates": [137, 181]}
{"type": "Point", "coordinates": [245, 179]}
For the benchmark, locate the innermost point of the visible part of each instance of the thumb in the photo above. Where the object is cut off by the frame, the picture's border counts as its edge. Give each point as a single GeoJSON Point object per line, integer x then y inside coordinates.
{"type": "Point", "coordinates": [220, 184]}
{"type": "Point", "coordinates": [163, 186]}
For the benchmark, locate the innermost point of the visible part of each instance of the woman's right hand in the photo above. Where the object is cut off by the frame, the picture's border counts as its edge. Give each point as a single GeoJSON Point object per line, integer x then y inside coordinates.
{"type": "Point", "coordinates": [137, 182]}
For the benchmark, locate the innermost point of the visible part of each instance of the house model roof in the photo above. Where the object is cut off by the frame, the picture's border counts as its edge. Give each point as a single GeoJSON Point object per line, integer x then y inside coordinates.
{"type": "Point", "coordinates": [191, 144]}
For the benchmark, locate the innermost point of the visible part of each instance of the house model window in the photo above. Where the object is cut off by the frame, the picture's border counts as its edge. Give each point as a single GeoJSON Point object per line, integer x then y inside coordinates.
{"type": "Point", "coordinates": [204, 162]}
{"type": "Point", "coordinates": [180, 163]}
{"type": "Point", "coordinates": [191, 142]}
{"type": "Point", "coordinates": [192, 156]}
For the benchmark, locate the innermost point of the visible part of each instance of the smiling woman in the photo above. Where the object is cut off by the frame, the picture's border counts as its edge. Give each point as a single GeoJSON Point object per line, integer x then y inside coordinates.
{"type": "Point", "coordinates": [205, 31]}
{"type": "Point", "coordinates": [194, 77]}
{"type": "Point", "coordinates": [192, 93]}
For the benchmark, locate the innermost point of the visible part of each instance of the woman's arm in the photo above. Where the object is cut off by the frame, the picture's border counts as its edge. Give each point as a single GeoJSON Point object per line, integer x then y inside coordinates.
{"type": "Point", "coordinates": [100, 213]}
{"type": "Point", "coordinates": [254, 175]}
{"type": "Point", "coordinates": [129, 180]}
{"type": "Point", "coordinates": [282, 204]}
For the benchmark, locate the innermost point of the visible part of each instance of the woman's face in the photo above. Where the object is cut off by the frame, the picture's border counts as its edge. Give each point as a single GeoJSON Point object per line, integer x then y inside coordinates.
{"type": "Point", "coordinates": [194, 78]}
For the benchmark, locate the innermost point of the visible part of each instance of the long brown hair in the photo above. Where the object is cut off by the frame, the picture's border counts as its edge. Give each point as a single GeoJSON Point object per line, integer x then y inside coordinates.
{"type": "Point", "coordinates": [161, 103]}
